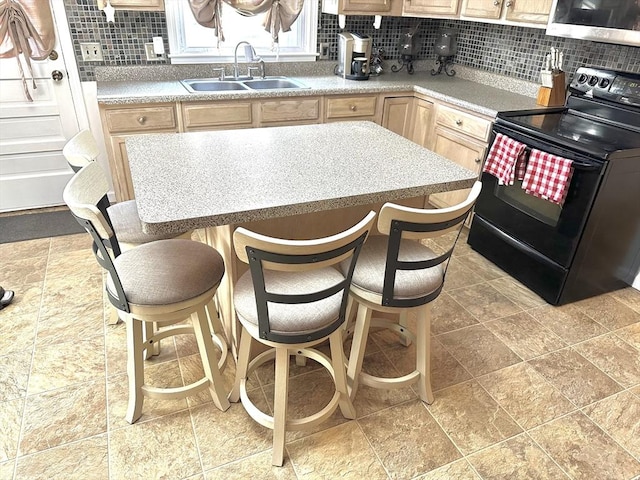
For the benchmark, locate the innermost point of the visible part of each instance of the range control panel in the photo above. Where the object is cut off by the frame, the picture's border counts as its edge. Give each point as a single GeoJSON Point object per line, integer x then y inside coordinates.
{"type": "Point", "coordinates": [621, 87]}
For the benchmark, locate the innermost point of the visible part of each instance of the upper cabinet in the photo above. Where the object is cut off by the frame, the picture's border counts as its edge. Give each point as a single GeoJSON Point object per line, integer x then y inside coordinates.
{"type": "Point", "coordinates": [430, 8]}
{"type": "Point", "coordinates": [522, 11]}
{"type": "Point", "coordinates": [134, 4]}
{"type": "Point", "coordinates": [362, 7]}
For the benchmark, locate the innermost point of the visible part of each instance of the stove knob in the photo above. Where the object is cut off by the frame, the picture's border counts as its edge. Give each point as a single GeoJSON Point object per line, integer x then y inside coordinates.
{"type": "Point", "coordinates": [593, 81]}
{"type": "Point", "coordinates": [582, 78]}
{"type": "Point", "coordinates": [604, 83]}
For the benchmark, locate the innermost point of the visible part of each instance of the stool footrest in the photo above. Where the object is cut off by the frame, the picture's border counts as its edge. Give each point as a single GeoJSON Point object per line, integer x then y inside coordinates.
{"type": "Point", "coordinates": [175, 392]}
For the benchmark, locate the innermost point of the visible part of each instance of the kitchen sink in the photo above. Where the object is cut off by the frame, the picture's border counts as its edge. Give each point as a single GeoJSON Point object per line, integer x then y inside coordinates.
{"type": "Point", "coordinates": [198, 85]}
{"type": "Point", "coordinates": [211, 85]}
{"type": "Point", "coordinates": [273, 83]}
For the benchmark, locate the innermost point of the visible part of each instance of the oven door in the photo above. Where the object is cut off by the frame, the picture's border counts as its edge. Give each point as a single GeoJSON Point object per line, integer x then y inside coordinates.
{"type": "Point", "coordinates": [548, 229]}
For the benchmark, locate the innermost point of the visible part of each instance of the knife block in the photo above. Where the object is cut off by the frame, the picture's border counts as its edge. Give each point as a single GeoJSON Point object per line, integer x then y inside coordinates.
{"type": "Point", "coordinates": [553, 96]}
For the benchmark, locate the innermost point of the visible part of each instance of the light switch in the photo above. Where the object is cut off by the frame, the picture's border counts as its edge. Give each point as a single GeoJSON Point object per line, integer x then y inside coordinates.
{"type": "Point", "coordinates": [158, 45]}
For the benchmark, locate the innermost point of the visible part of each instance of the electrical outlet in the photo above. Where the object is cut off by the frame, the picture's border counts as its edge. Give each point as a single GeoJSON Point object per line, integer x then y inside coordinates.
{"type": "Point", "coordinates": [150, 54]}
{"type": "Point", "coordinates": [91, 52]}
{"type": "Point", "coordinates": [324, 51]}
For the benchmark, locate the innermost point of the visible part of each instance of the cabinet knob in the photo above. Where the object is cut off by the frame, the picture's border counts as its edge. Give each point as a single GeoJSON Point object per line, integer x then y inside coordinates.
{"type": "Point", "coordinates": [353, 108]}
{"type": "Point", "coordinates": [458, 122]}
{"type": "Point", "coordinates": [496, 3]}
{"type": "Point", "coordinates": [509, 3]}
{"type": "Point", "coordinates": [477, 160]}
{"type": "Point", "coordinates": [141, 120]}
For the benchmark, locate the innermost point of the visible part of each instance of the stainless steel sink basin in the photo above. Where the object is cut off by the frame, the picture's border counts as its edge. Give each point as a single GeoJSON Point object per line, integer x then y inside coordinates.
{"type": "Point", "coordinates": [273, 83]}
{"type": "Point", "coordinates": [198, 85]}
{"type": "Point", "coordinates": [211, 85]}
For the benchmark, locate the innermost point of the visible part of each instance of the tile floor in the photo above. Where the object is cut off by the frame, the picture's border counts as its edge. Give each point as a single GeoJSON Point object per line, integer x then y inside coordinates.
{"type": "Point", "coordinates": [523, 390]}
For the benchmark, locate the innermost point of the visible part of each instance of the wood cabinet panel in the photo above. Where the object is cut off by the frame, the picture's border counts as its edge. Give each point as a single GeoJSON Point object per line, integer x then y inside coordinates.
{"type": "Point", "coordinates": [365, 7]}
{"type": "Point", "coordinates": [140, 119]}
{"type": "Point", "coordinates": [463, 122]}
{"type": "Point", "coordinates": [134, 4]}
{"type": "Point", "coordinates": [529, 11]}
{"type": "Point", "coordinates": [422, 123]}
{"type": "Point", "coordinates": [341, 107]}
{"type": "Point", "coordinates": [431, 7]}
{"type": "Point", "coordinates": [482, 8]}
{"type": "Point", "coordinates": [397, 115]}
{"type": "Point", "coordinates": [294, 110]}
{"type": "Point", "coordinates": [211, 115]}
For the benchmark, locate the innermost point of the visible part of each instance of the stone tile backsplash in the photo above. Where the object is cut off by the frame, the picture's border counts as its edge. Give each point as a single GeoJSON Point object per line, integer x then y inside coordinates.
{"type": "Point", "coordinates": [513, 51]}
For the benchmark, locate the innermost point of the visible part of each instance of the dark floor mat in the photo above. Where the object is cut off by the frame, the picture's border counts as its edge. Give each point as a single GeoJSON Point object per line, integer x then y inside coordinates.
{"type": "Point", "coordinates": [28, 226]}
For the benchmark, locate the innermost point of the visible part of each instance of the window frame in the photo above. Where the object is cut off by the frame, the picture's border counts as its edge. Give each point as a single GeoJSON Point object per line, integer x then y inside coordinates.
{"type": "Point", "coordinates": [181, 53]}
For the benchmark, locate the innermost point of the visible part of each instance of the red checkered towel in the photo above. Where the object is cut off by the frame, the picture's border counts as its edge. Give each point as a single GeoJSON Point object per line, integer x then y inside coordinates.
{"type": "Point", "coordinates": [505, 159]}
{"type": "Point", "coordinates": [547, 176]}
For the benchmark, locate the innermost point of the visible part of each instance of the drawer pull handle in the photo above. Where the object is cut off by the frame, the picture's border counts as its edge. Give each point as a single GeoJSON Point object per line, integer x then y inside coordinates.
{"type": "Point", "coordinates": [458, 122]}
{"type": "Point", "coordinates": [141, 120]}
{"type": "Point", "coordinates": [477, 160]}
{"type": "Point", "coordinates": [353, 108]}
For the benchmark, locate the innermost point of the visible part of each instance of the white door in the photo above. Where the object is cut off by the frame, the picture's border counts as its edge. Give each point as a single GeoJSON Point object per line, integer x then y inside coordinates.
{"type": "Point", "coordinates": [33, 171]}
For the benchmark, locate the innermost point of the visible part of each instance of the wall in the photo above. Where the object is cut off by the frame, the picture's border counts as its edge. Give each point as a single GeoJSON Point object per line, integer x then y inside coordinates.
{"type": "Point", "coordinates": [513, 51]}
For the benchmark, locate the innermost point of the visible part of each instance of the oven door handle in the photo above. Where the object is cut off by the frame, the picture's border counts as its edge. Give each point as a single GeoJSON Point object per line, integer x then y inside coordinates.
{"type": "Point", "coordinates": [586, 166]}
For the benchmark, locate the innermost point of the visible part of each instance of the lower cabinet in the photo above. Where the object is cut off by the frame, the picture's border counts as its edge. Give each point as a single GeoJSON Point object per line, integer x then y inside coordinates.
{"type": "Point", "coordinates": [422, 129]}
{"type": "Point", "coordinates": [397, 115]}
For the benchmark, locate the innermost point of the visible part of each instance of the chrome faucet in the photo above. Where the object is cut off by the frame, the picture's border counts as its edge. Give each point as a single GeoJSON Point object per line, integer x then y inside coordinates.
{"type": "Point", "coordinates": [249, 56]}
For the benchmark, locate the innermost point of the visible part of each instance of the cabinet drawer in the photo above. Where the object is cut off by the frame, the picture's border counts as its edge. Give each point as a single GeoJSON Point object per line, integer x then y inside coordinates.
{"type": "Point", "coordinates": [210, 114]}
{"type": "Point", "coordinates": [463, 122]}
{"type": "Point", "coordinates": [141, 119]}
{"type": "Point", "coordinates": [290, 110]}
{"type": "Point", "coordinates": [344, 107]}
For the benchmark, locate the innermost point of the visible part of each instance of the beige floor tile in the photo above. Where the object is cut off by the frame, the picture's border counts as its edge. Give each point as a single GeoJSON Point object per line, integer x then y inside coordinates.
{"type": "Point", "coordinates": [459, 470]}
{"type": "Point", "coordinates": [619, 416]}
{"type": "Point", "coordinates": [471, 418]}
{"type": "Point", "coordinates": [64, 364]}
{"type": "Point", "coordinates": [192, 371]}
{"type": "Point", "coordinates": [517, 292]}
{"type": "Point", "coordinates": [526, 395]}
{"type": "Point", "coordinates": [86, 458]}
{"type": "Point", "coordinates": [518, 458]}
{"type": "Point", "coordinates": [629, 296]}
{"type": "Point", "coordinates": [391, 363]}
{"type": "Point", "coordinates": [484, 302]}
{"type": "Point", "coordinates": [408, 440]}
{"type": "Point", "coordinates": [19, 271]}
{"type": "Point", "coordinates": [10, 421]}
{"type": "Point", "coordinates": [524, 335]}
{"type": "Point", "coordinates": [568, 322]}
{"type": "Point", "coordinates": [609, 312]}
{"type": "Point", "coordinates": [69, 243]}
{"type": "Point", "coordinates": [255, 467]}
{"type": "Point", "coordinates": [63, 416]}
{"type": "Point", "coordinates": [577, 378]}
{"type": "Point", "coordinates": [26, 300]}
{"type": "Point", "coordinates": [14, 374]}
{"type": "Point", "coordinates": [481, 266]}
{"type": "Point", "coordinates": [266, 372]}
{"type": "Point", "coordinates": [26, 249]}
{"type": "Point", "coordinates": [225, 437]}
{"type": "Point", "coordinates": [614, 357]}
{"type": "Point", "coordinates": [459, 275]}
{"type": "Point", "coordinates": [164, 375]}
{"type": "Point", "coordinates": [583, 450]}
{"type": "Point", "coordinates": [164, 447]}
{"type": "Point", "coordinates": [478, 350]}
{"type": "Point", "coordinates": [6, 470]}
{"type": "Point", "coordinates": [116, 348]}
{"type": "Point", "coordinates": [19, 334]}
{"type": "Point", "coordinates": [631, 335]}
{"type": "Point", "coordinates": [76, 261]}
{"type": "Point", "coordinates": [448, 315]}
{"type": "Point", "coordinates": [340, 452]}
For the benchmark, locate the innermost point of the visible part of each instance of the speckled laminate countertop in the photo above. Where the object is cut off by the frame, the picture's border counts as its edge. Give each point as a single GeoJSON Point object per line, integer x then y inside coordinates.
{"type": "Point", "coordinates": [198, 179]}
{"type": "Point", "coordinates": [475, 96]}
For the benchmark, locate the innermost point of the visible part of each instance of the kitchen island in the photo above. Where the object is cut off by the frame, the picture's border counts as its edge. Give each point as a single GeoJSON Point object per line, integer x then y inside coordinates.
{"type": "Point", "coordinates": [294, 182]}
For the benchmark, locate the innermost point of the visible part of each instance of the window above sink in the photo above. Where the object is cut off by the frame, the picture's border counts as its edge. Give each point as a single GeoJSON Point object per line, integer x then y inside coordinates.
{"type": "Point", "coordinates": [190, 42]}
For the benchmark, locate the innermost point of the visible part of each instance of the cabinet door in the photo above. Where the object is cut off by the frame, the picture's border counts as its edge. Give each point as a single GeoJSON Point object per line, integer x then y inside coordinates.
{"type": "Point", "coordinates": [482, 8]}
{"type": "Point", "coordinates": [433, 7]}
{"type": "Point", "coordinates": [396, 115]}
{"type": "Point", "coordinates": [366, 6]}
{"type": "Point", "coordinates": [294, 111]}
{"type": "Point", "coordinates": [421, 132]}
{"type": "Point", "coordinates": [462, 150]}
{"type": "Point", "coordinates": [134, 4]}
{"type": "Point", "coordinates": [530, 11]}
{"type": "Point", "coordinates": [216, 115]}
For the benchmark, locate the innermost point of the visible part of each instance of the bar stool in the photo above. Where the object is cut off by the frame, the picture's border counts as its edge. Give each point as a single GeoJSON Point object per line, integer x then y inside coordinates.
{"type": "Point", "coordinates": [159, 283]}
{"type": "Point", "coordinates": [291, 299]}
{"type": "Point", "coordinates": [396, 273]}
{"type": "Point", "coordinates": [122, 217]}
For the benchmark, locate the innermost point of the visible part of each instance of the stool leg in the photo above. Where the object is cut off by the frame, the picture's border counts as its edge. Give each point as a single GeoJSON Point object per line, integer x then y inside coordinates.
{"type": "Point", "coordinates": [423, 354]}
{"type": "Point", "coordinates": [135, 369]}
{"type": "Point", "coordinates": [404, 321]}
{"type": "Point", "coordinates": [113, 317]}
{"type": "Point", "coordinates": [337, 360]}
{"type": "Point", "coordinates": [208, 355]}
{"type": "Point", "coordinates": [358, 347]}
{"type": "Point", "coordinates": [242, 365]}
{"type": "Point", "coordinates": [280, 405]}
